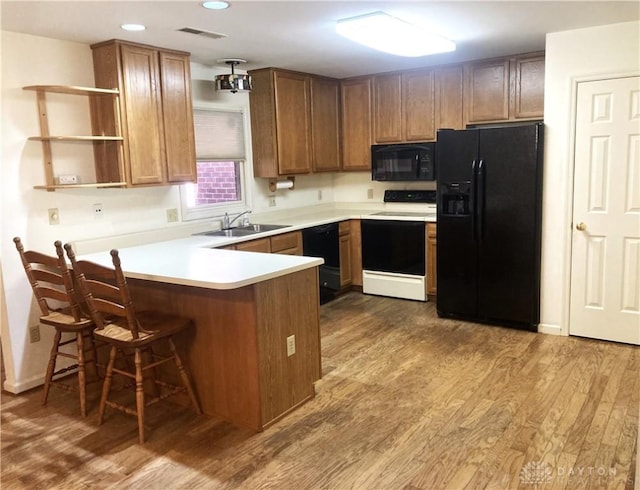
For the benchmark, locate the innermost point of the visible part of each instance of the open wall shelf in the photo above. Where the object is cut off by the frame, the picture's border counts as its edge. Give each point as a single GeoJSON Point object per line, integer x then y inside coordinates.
{"type": "Point", "coordinates": [46, 139]}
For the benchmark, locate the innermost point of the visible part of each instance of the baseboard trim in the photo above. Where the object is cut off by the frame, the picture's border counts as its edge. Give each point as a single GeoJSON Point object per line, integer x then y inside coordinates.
{"type": "Point", "coordinates": [550, 329]}
{"type": "Point", "coordinates": [29, 384]}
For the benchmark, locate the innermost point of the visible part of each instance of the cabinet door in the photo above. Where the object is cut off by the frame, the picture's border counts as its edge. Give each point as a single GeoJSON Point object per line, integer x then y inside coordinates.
{"type": "Point", "coordinates": [449, 99]}
{"type": "Point", "coordinates": [356, 252]}
{"type": "Point", "coordinates": [487, 91]}
{"type": "Point", "coordinates": [528, 90]}
{"type": "Point", "coordinates": [325, 124]}
{"type": "Point", "coordinates": [418, 106]}
{"type": "Point", "coordinates": [356, 124]}
{"type": "Point", "coordinates": [431, 258]}
{"type": "Point", "coordinates": [293, 123]}
{"type": "Point", "coordinates": [142, 115]}
{"type": "Point", "coordinates": [387, 108]}
{"type": "Point", "coordinates": [177, 119]}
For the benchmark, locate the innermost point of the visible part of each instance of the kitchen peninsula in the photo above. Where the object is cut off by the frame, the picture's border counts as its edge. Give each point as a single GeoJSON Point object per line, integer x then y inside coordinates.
{"type": "Point", "coordinates": [245, 307]}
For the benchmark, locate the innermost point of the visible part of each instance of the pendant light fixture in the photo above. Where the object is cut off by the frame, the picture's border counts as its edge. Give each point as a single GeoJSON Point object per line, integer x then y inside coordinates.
{"type": "Point", "coordinates": [233, 83]}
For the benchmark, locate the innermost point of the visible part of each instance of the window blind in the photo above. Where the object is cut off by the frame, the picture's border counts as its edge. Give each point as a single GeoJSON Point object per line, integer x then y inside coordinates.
{"type": "Point", "coordinates": [219, 135]}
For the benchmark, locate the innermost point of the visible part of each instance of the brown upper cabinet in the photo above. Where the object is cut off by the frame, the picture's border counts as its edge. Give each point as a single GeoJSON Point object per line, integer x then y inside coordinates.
{"type": "Point", "coordinates": [504, 89]}
{"type": "Point", "coordinates": [155, 114]}
{"type": "Point", "coordinates": [403, 107]}
{"type": "Point", "coordinates": [325, 124]}
{"type": "Point", "coordinates": [449, 97]}
{"type": "Point", "coordinates": [356, 123]}
{"type": "Point", "coordinates": [289, 111]}
{"type": "Point", "coordinates": [302, 123]}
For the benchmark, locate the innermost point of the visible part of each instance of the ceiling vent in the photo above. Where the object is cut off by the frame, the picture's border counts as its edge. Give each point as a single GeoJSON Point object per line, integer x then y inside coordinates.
{"type": "Point", "coordinates": [200, 32]}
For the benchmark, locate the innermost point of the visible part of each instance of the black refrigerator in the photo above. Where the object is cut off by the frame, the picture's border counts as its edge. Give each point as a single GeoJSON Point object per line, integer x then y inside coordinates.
{"type": "Point", "coordinates": [489, 206]}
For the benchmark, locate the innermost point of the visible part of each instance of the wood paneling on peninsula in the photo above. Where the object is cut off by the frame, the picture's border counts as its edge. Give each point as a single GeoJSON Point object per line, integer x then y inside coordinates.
{"type": "Point", "coordinates": [237, 352]}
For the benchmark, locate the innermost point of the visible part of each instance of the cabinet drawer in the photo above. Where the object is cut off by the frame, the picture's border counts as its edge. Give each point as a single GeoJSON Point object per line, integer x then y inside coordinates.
{"type": "Point", "coordinates": [259, 245]}
{"type": "Point", "coordinates": [287, 241]}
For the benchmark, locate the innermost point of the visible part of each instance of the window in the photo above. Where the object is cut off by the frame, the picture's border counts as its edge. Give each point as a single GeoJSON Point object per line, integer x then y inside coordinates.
{"type": "Point", "coordinates": [220, 155]}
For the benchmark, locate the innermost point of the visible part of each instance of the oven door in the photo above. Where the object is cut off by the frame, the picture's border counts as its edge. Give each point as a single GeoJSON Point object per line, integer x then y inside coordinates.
{"type": "Point", "coordinates": [393, 246]}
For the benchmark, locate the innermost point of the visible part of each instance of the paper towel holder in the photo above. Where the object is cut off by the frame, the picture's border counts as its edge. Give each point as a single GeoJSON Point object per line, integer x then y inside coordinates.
{"type": "Point", "coordinates": [275, 184]}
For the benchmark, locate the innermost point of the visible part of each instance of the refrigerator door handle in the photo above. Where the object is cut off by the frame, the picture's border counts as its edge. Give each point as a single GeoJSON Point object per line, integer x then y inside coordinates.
{"type": "Point", "coordinates": [480, 191]}
{"type": "Point", "coordinates": [473, 197]}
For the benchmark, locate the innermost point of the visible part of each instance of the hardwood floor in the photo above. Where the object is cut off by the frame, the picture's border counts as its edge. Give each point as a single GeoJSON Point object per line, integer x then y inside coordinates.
{"type": "Point", "coordinates": [407, 400]}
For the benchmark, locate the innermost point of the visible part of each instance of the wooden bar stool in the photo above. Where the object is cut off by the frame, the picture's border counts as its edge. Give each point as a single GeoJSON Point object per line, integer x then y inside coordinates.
{"type": "Point", "coordinates": [52, 281]}
{"type": "Point", "coordinates": [106, 293]}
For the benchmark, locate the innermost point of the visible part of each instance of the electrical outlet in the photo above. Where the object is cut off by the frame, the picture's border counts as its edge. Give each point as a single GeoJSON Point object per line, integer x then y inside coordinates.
{"type": "Point", "coordinates": [291, 345]}
{"type": "Point", "coordinates": [34, 334]}
{"type": "Point", "coordinates": [369, 193]}
{"type": "Point", "coordinates": [68, 179]}
{"type": "Point", "coordinates": [97, 211]}
{"type": "Point", "coordinates": [172, 215]}
{"type": "Point", "coordinates": [272, 201]}
{"type": "Point", "coordinates": [319, 194]}
{"type": "Point", "coordinates": [54, 216]}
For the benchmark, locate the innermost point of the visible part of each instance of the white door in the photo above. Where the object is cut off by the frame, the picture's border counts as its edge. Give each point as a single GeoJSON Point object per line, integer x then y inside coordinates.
{"type": "Point", "coordinates": [605, 265]}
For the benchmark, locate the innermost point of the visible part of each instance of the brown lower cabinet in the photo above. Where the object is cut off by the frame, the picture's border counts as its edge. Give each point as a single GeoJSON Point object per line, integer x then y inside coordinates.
{"type": "Point", "coordinates": [285, 243]}
{"type": "Point", "coordinates": [431, 259]}
{"type": "Point", "coordinates": [356, 252]}
{"type": "Point", "coordinates": [344, 241]}
{"type": "Point", "coordinates": [260, 245]}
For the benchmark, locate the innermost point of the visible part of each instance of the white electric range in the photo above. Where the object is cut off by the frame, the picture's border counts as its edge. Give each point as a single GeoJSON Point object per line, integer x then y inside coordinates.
{"type": "Point", "coordinates": [393, 246]}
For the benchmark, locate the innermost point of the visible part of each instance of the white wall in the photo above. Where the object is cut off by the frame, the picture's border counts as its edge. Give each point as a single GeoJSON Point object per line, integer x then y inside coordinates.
{"type": "Point", "coordinates": [599, 52]}
{"type": "Point", "coordinates": [31, 60]}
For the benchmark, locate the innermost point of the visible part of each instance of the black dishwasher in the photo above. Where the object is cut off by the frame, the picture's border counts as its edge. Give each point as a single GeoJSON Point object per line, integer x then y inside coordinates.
{"type": "Point", "coordinates": [323, 241]}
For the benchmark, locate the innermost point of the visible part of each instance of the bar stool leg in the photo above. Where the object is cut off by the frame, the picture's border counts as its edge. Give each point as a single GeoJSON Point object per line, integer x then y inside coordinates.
{"type": "Point", "coordinates": [82, 378]}
{"type": "Point", "coordinates": [185, 377]}
{"type": "Point", "coordinates": [106, 386]}
{"type": "Point", "coordinates": [51, 367]}
{"type": "Point", "coordinates": [139, 394]}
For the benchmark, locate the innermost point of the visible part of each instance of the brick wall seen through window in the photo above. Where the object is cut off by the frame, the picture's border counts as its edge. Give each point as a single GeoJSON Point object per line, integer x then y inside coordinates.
{"type": "Point", "coordinates": [218, 182]}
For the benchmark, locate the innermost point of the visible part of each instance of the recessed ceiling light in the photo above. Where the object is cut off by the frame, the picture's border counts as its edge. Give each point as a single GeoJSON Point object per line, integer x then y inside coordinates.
{"type": "Point", "coordinates": [383, 32]}
{"type": "Point", "coordinates": [133, 27]}
{"type": "Point", "coordinates": [215, 5]}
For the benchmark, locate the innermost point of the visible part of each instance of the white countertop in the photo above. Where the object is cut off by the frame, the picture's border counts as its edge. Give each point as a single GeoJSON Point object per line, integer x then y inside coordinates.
{"type": "Point", "coordinates": [184, 262]}
{"type": "Point", "coordinates": [195, 261]}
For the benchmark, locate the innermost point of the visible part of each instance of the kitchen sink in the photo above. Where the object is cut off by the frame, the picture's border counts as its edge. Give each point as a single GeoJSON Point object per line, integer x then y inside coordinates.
{"type": "Point", "coordinates": [258, 228]}
{"type": "Point", "coordinates": [246, 230]}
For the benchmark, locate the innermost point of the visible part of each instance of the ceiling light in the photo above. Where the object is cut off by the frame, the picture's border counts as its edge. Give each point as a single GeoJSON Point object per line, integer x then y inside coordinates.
{"type": "Point", "coordinates": [215, 5]}
{"type": "Point", "coordinates": [383, 32]}
{"type": "Point", "coordinates": [133, 27]}
{"type": "Point", "coordinates": [233, 83]}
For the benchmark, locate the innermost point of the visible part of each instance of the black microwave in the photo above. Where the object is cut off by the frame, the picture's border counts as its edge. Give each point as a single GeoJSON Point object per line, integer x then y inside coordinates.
{"type": "Point", "coordinates": [403, 162]}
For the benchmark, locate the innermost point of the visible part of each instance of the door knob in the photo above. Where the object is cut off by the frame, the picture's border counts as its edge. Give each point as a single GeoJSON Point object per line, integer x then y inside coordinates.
{"type": "Point", "coordinates": [581, 226]}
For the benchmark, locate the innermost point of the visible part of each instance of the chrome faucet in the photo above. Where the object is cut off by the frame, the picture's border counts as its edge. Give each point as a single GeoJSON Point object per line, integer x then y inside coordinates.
{"type": "Point", "coordinates": [226, 223]}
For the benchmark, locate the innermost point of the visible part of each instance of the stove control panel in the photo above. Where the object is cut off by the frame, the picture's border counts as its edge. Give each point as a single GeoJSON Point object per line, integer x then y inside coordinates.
{"type": "Point", "coordinates": [410, 196]}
